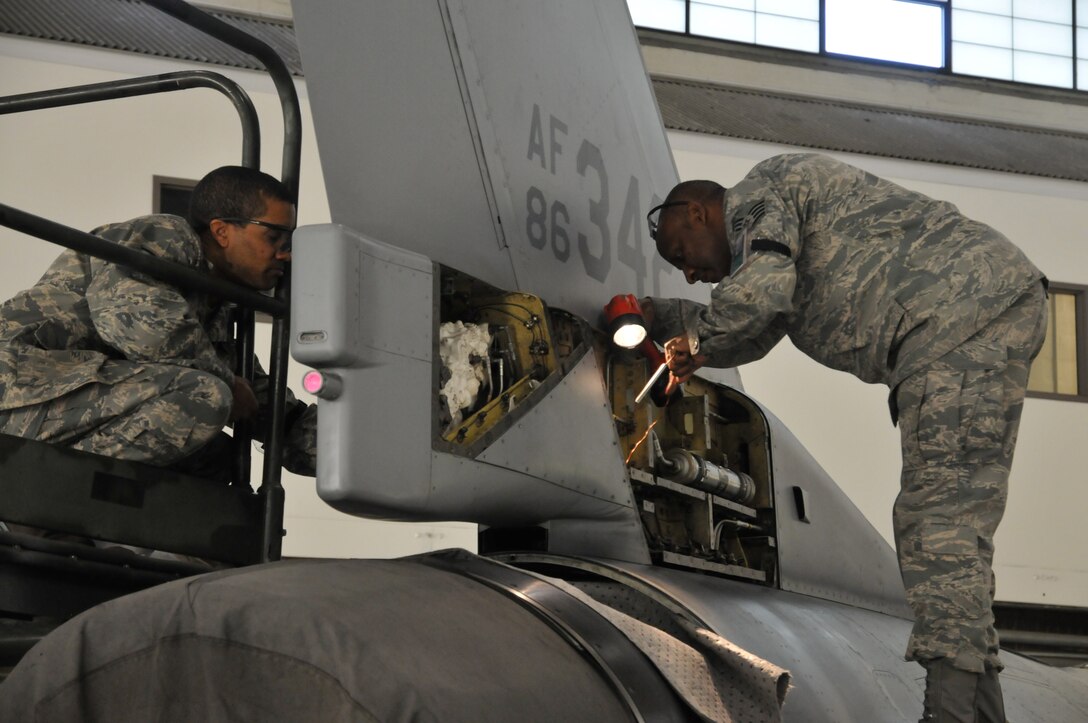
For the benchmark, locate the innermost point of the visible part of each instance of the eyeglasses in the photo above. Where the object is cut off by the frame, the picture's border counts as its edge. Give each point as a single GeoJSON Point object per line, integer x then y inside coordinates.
{"type": "Point", "coordinates": [652, 222]}
{"type": "Point", "coordinates": [285, 231]}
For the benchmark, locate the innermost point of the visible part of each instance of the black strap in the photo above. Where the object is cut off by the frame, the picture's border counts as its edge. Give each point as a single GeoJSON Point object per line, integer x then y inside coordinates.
{"type": "Point", "coordinates": [766, 244]}
{"type": "Point", "coordinates": [641, 686]}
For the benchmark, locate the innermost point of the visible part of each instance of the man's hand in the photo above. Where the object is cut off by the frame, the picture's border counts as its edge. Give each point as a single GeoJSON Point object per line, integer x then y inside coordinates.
{"type": "Point", "coordinates": [245, 401]}
{"type": "Point", "coordinates": [682, 363]}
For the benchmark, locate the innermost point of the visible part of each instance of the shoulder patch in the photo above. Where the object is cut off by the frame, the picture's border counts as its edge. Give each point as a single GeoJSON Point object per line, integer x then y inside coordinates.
{"type": "Point", "coordinates": [744, 220]}
{"type": "Point", "coordinates": [746, 217]}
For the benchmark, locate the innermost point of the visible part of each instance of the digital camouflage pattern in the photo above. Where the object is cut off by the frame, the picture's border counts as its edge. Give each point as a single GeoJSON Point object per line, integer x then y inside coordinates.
{"type": "Point", "coordinates": [881, 280]}
{"type": "Point", "coordinates": [958, 423]}
{"type": "Point", "coordinates": [899, 288]}
{"type": "Point", "coordinates": [109, 360]}
{"type": "Point", "coordinates": [85, 311]}
{"type": "Point", "coordinates": [156, 412]}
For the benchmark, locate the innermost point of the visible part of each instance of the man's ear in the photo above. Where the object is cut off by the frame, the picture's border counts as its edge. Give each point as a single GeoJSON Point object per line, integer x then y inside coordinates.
{"type": "Point", "coordinates": [696, 214]}
{"type": "Point", "coordinates": [219, 230]}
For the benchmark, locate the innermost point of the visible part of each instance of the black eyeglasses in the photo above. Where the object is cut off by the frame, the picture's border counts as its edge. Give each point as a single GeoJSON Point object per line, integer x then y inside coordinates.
{"type": "Point", "coordinates": [286, 231]}
{"type": "Point", "coordinates": [652, 222]}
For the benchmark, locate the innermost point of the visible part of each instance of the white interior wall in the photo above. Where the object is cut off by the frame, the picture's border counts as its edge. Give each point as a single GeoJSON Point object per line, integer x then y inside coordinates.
{"type": "Point", "coordinates": [93, 164]}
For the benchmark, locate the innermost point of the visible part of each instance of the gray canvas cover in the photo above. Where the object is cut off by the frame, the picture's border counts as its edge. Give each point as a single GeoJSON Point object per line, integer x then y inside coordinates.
{"type": "Point", "coordinates": [344, 640]}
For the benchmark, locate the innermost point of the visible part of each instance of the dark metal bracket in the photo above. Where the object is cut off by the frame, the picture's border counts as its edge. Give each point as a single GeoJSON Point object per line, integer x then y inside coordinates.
{"type": "Point", "coordinates": [147, 85]}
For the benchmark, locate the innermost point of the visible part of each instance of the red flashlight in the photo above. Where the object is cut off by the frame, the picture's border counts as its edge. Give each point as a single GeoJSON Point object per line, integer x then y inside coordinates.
{"type": "Point", "coordinates": [627, 327]}
{"type": "Point", "coordinates": [625, 321]}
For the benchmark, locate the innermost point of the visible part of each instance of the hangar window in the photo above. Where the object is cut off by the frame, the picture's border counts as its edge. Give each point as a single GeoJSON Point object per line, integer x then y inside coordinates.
{"type": "Point", "coordinates": [1028, 42]}
{"type": "Point", "coordinates": [903, 32]}
{"type": "Point", "coordinates": [793, 24]}
{"type": "Point", "coordinates": [1041, 42]}
{"type": "Point", "coordinates": [1061, 369]}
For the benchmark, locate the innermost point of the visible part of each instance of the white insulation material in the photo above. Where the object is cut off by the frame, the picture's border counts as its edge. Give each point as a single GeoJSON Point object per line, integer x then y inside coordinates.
{"type": "Point", "coordinates": [463, 349]}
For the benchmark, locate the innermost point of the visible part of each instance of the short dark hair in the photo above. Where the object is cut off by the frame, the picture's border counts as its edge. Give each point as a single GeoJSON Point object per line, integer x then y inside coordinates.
{"type": "Point", "coordinates": [699, 191]}
{"type": "Point", "coordinates": [233, 192]}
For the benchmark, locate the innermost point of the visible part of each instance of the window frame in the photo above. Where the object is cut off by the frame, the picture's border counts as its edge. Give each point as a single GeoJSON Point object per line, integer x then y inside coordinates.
{"type": "Point", "coordinates": [945, 70]}
{"type": "Point", "coordinates": [159, 183]}
{"type": "Point", "coordinates": [1080, 296]}
{"type": "Point", "coordinates": [946, 42]}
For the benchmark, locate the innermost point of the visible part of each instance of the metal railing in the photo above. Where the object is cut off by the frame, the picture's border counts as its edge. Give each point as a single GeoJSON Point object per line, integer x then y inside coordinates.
{"type": "Point", "coordinates": [132, 87]}
{"type": "Point", "coordinates": [271, 486]}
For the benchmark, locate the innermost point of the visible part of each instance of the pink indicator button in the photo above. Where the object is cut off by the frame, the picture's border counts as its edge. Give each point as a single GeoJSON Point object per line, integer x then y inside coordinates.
{"type": "Point", "coordinates": [312, 382]}
{"type": "Point", "coordinates": [325, 385]}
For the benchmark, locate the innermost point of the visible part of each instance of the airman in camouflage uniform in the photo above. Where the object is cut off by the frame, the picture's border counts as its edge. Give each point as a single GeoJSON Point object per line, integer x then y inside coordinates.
{"type": "Point", "coordinates": [897, 288]}
{"type": "Point", "coordinates": [105, 359]}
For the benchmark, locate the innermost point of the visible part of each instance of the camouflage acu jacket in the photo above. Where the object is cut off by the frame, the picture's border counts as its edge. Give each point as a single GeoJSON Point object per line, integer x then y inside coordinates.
{"type": "Point", "coordinates": [879, 281]}
{"type": "Point", "coordinates": [55, 336]}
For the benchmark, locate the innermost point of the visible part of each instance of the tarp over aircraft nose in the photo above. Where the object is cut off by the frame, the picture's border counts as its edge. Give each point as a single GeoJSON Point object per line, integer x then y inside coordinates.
{"type": "Point", "coordinates": [421, 638]}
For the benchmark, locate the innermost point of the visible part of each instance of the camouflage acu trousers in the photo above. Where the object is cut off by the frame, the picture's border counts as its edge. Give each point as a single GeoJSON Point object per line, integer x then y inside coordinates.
{"type": "Point", "coordinates": [154, 413]}
{"type": "Point", "coordinates": [958, 423]}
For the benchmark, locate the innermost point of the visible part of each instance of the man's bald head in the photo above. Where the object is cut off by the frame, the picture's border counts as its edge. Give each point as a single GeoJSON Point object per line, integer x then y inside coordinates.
{"type": "Point", "coordinates": [690, 231]}
{"type": "Point", "coordinates": [700, 191]}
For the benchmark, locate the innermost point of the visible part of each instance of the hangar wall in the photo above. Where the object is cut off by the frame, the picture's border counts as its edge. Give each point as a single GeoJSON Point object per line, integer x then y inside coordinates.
{"type": "Point", "coordinates": [91, 165]}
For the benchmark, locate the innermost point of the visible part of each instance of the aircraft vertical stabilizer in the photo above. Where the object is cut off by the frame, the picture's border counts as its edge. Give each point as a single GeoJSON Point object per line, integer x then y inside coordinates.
{"type": "Point", "coordinates": [518, 142]}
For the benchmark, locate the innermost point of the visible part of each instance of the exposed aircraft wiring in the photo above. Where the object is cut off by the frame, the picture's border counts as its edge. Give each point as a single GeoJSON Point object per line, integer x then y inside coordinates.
{"type": "Point", "coordinates": [529, 323]}
{"type": "Point", "coordinates": [532, 323]}
{"type": "Point", "coordinates": [495, 304]}
{"type": "Point", "coordinates": [608, 376]}
{"type": "Point", "coordinates": [640, 441]}
{"type": "Point", "coordinates": [490, 379]}
{"type": "Point", "coordinates": [658, 453]}
{"type": "Point", "coordinates": [743, 554]}
{"type": "Point", "coordinates": [500, 304]}
{"type": "Point", "coordinates": [716, 541]}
